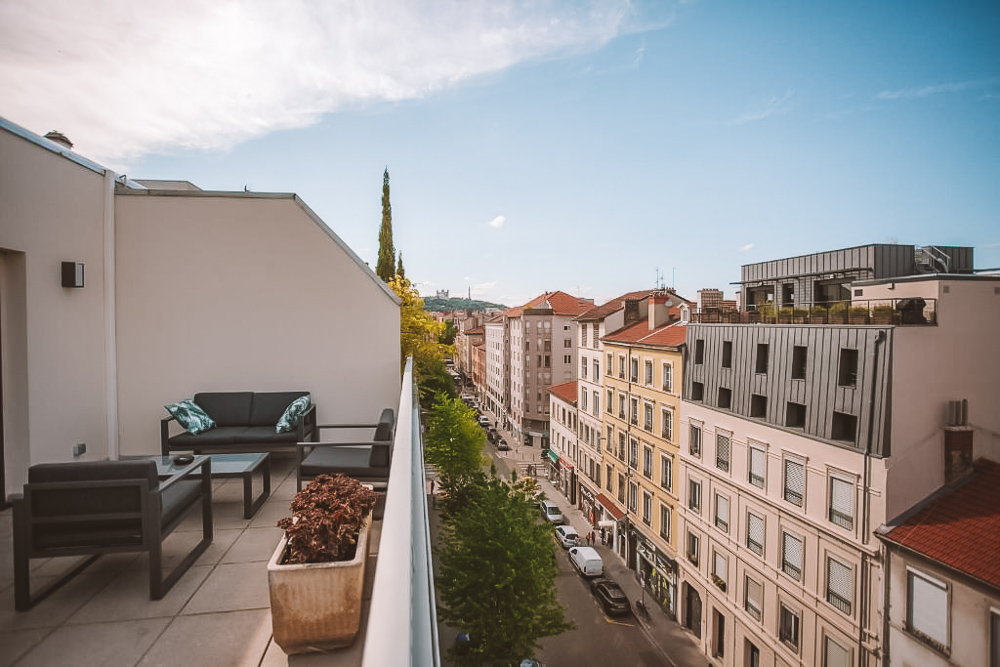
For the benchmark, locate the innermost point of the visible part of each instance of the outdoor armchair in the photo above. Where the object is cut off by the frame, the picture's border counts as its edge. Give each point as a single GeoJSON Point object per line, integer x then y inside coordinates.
{"type": "Point", "coordinates": [98, 507]}
{"type": "Point", "coordinates": [367, 461]}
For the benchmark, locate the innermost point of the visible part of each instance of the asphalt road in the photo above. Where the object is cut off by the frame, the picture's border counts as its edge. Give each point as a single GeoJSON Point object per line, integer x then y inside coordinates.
{"type": "Point", "coordinates": [597, 639]}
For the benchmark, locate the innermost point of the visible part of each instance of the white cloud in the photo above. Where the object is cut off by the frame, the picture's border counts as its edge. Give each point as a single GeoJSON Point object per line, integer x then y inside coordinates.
{"type": "Point", "coordinates": [924, 91]}
{"type": "Point", "coordinates": [122, 78]}
{"type": "Point", "coordinates": [747, 248]}
{"type": "Point", "coordinates": [497, 222]}
{"type": "Point", "coordinates": [776, 106]}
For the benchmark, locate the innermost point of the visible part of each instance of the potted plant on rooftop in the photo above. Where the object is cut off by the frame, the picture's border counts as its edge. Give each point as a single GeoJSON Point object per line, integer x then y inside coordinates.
{"type": "Point", "coordinates": [316, 574]}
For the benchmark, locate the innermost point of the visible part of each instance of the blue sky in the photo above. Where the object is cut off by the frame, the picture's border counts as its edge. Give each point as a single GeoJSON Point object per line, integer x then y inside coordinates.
{"type": "Point", "coordinates": [580, 146]}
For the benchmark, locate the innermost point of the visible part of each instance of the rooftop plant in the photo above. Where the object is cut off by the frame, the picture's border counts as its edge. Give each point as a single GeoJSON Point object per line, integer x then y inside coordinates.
{"type": "Point", "coordinates": [326, 518]}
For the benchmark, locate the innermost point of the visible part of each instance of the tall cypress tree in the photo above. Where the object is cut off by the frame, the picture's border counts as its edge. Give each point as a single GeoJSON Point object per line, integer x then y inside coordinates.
{"type": "Point", "coordinates": [386, 267]}
{"type": "Point", "coordinates": [400, 271]}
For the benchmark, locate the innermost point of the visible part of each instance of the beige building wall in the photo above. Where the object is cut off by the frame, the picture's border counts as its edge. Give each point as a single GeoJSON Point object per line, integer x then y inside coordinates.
{"type": "Point", "coordinates": [52, 339]}
{"type": "Point", "coordinates": [244, 292]}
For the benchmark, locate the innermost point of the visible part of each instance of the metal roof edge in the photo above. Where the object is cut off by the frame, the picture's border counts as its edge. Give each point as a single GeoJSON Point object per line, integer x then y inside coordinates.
{"type": "Point", "coordinates": [51, 146]}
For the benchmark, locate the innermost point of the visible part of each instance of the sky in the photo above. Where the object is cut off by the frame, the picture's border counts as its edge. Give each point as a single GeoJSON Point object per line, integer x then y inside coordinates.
{"type": "Point", "coordinates": [591, 146]}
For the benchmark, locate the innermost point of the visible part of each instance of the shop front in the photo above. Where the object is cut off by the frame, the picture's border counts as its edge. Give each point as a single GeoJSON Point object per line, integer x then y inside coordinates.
{"type": "Point", "coordinates": [588, 505]}
{"type": "Point", "coordinates": [613, 521]}
{"type": "Point", "coordinates": [658, 574]}
{"type": "Point", "coordinates": [553, 471]}
{"type": "Point", "coordinates": [567, 475]}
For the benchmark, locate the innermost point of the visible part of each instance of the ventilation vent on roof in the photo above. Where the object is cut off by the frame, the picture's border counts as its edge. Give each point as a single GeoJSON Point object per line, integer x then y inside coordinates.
{"type": "Point", "coordinates": [59, 138]}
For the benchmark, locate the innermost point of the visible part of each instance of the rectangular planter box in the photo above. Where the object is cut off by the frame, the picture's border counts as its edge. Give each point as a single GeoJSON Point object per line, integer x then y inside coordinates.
{"type": "Point", "coordinates": [317, 606]}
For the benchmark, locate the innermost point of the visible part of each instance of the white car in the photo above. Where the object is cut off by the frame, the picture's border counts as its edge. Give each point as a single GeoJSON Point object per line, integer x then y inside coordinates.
{"type": "Point", "coordinates": [567, 536]}
{"type": "Point", "coordinates": [551, 512]}
{"type": "Point", "coordinates": [587, 561]}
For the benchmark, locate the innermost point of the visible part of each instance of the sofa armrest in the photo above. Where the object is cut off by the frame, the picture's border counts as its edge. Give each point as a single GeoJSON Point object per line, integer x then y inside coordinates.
{"type": "Point", "coordinates": [307, 425]}
{"type": "Point", "coordinates": [165, 435]}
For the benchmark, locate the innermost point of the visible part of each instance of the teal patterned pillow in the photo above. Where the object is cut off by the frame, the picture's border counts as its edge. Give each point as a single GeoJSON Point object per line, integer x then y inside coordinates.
{"type": "Point", "coordinates": [293, 412]}
{"type": "Point", "coordinates": [190, 416]}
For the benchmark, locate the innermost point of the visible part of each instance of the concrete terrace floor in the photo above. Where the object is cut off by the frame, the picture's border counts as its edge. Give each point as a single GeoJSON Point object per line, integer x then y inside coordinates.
{"type": "Point", "coordinates": [217, 614]}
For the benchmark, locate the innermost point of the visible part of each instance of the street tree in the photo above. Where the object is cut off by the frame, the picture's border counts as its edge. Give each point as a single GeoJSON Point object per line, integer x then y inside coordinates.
{"type": "Point", "coordinates": [454, 441]}
{"type": "Point", "coordinates": [497, 575]}
{"type": "Point", "coordinates": [386, 266]}
{"type": "Point", "coordinates": [419, 335]}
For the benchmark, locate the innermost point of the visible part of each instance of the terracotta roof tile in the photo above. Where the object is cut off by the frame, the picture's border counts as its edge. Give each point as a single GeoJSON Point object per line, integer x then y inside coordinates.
{"type": "Point", "coordinates": [960, 528]}
{"type": "Point", "coordinates": [560, 302]}
{"type": "Point", "coordinates": [566, 392]}
{"type": "Point", "coordinates": [670, 335]}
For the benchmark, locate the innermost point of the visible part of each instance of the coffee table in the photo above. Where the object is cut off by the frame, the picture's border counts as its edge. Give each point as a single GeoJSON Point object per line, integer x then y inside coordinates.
{"type": "Point", "coordinates": [230, 465]}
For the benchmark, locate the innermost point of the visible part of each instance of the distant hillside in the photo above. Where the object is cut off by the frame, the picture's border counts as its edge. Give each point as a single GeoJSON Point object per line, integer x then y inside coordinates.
{"type": "Point", "coordinates": [455, 303]}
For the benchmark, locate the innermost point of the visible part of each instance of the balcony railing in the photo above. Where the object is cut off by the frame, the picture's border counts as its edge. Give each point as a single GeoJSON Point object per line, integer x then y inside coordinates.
{"type": "Point", "coordinates": [900, 312]}
{"type": "Point", "coordinates": [402, 624]}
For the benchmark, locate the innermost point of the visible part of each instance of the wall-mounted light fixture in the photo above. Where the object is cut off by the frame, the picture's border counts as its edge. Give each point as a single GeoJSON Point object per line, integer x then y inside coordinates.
{"type": "Point", "coordinates": [72, 274]}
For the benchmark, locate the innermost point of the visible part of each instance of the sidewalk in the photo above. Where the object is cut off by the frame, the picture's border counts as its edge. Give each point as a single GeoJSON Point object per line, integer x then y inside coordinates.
{"type": "Point", "coordinates": [674, 642]}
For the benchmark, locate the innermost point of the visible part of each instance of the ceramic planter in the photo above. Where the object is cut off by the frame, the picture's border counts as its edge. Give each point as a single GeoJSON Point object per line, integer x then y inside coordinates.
{"type": "Point", "coordinates": [317, 606]}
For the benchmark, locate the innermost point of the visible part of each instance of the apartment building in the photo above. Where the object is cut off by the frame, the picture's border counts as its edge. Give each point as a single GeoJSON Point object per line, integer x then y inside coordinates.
{"type": "Point", "coordinates": [798, 441]}
{"type": "Point", "coordinates": [497, 345]}
{"type": "Point", "coordinates": [641, 394]}
{"type": "Point", "coordinates": [542, 353]}
{"type": "Point", "coordinates": [468, 333]}
{"type": "Point", "coordinates": [591, 326]}
{"type": "Point", "coordinates": [563, 425]}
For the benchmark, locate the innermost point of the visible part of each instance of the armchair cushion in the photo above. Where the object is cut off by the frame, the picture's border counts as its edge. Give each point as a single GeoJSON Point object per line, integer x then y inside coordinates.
{"type": "Point", "coordinates": [290, 418]}
{"type": "Point", "coordinates": [350, 460]}
{"type": "Point", "coordinates": [189, 415]}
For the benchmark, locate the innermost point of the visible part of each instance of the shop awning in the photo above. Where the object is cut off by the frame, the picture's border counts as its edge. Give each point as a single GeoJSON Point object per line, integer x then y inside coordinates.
{"type": "Point", "coordinates": [553, 455]}
{"type": "Point", "coordinates": [610, 506]}
{"type": "Point", "coordinates": [565, 463]}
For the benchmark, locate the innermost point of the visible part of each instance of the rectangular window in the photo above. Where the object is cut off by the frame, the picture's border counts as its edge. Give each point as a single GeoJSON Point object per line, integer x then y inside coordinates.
{"type": "Point", "coordinates": [609, 406]}
{"type": "Point", "coordinates": [722, 445]}
{"type": "Point", "coordinates": [725, 398]}
{"type": "Point", "coordinates": [799, 356]}
{"type": "Point", "coordinates": [847, 375]}
{"type": "Point", "coordinates": [595, 408]}
{"type": "Point", "coordinates": [668, 378]}
{"type": "Point", "coordinates": [567, 342]}
{"type": "Point", "coordinates": [647, 417]}
{"type": "Point", "coordinates": [583, 399]}
{"type": "Point", "coordinates": [795, 415]}
{"type": "Point", "coordinates": [583, 335]}
{"type": "Point", "coordinates": [667, 424]}
{"type": "Point", "coordinates": [699, 351]}
{"type": "Point", "coordinates": [666, 472]}
{"type": "Point", "coordinates": [758, 406]}
{"type": "Point", "coordinates": [693, 548]}
{"type": "Point", "coordinates": [597, 369]}
{"type": "Point", "coordinates": [621, 406]}
{"type": "Point", "coordinates": [763, 351]}
{"type": "Point", "coordinates": [719, 644]}
{"type": "Point", "coordinates": [788, 628]}
{"type": "Point", "coordinates": [647, 462]}
{"type": "Point", "coordinates": [583, 368]}
{"type": "Point", "coordinates": [595, 336]}
{"type": "Point", "coordinates": [621, 488]}
{"type": "Point", "coordinates": [567, 359]}
{"type": "Point", "coordinates": [758, 466]}
{"type": "Point", "coordinates": [839, 585]}
{"type": "Point", "coordinates": [609, 480]}
{"type": "Point", "coordinates": [720, 567]}
{"type": "Point", "coordinates": [610, 442]}
{"type": "Point", "coordinates": [694, 496]}
{"type": "Point", "coordinates": [665, 522]}
{"type": "Point", "coordinates": [795, 482]}
{"type": "Point", "coordinates": [835, 655]}
{"type": "Point", "coordinates": [844, 427]}
{"type": "Point", "coordinates": [752, 598]}
{"type": "Point", "coordinates": [632, 493]}
{"type": "Point", "coordinates": [621, 446]}
{"type": "Point", "coordinates": [634, 411]}
{"type": "Point", "coordinates": [697, 391]}
{"type": "Point", "coordinates": [755, 533]}
{"type": "Point", "coordinates": [791, 556]}
{"type": "Point", "coordinates": [611, 365]}
{"type": "Point", "coordinates": [695, 441]}
{"type": "Point", "coordinates": [621, 367]}
{"type": "Point", "coordinates": [727, 354]}
{"type": "Point", "coordinates": [633, 374]}
{"type": "Point", "coordinates": [722, 513]}
{"type": "Point", "coordinates": [927, 608]}
{"type": "Point", "coordinates": [648, 368]}
{"type": "Point", "coordinates": [633, 453]}
{"type": "Point", "coordinates": [842, 502]}
{"type": "Point", "coordinates": [647, 509]}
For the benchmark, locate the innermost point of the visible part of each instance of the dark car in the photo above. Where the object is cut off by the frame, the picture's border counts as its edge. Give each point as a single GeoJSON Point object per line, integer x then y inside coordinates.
{"type": "Point", "coordinates": [502, 445]}
{"type": "Point", "coordinates": [611, 596]}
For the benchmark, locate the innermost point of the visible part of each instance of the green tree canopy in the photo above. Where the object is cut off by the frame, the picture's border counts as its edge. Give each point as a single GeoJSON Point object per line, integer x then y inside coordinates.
{"type": "Point", "coordinates": [419, 335]}
{"type": "Point", "coordinates": [454, 440]}
{"type": "Point", "coordinates": [497, 575]}
{"type": "Point", "coordinates": [386, 267]}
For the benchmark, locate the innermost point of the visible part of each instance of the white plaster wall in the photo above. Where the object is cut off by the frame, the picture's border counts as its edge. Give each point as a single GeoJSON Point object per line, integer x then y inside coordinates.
{"type": "Point", "coordinates": [54, 361]}
{"type": "Point", "coordinates": [234, 292]}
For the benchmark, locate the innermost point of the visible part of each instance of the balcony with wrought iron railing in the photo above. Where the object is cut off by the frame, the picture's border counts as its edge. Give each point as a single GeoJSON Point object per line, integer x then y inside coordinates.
{"type": "Point", "coordinates": [897, 312]}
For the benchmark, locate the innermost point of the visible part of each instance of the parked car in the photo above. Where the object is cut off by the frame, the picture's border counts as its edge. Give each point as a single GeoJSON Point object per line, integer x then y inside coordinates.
{"type": "Point", "coordinates": [551, 512]}
{"type": "Point", "coordinates": [484, 420]}
{"type": "Point", "coordinates": [611, 596]}
{"type": "Point", "coordinates": [567, 536]}
{"type": "Point", "coordinates": [587, 561]}
{"type": "Point", "coordinates": [502, 444]}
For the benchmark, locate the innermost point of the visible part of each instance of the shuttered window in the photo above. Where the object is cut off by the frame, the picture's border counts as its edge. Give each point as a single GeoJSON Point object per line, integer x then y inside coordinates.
{"type": "Point", "coordinates": [722, 513]}
{"type": "Point", "coordinates": [795, 482]}
{"type": "Point", "coordinates": [791, 556]}
{"type": "Point", "coordinates": [835, 655]}
{"type": "Point", "coordinates": [927, 607]}
{"type": "Point", "coordinates": [720, 566]}
{"type": "Point", "coordinates": [753, 603]}
{"type": "Point", "coordinates": [788, 628]}
{"type": "Point", "coordinates": [839, 585]}
{"type": "Point", "coordinates": [755, 534]}
{"type": "Point", "coordinates": [758, 464]}
{"type": "Point", "coordinates": [842, 502]}
{"type": "Point", "coordinates": [722, 441]}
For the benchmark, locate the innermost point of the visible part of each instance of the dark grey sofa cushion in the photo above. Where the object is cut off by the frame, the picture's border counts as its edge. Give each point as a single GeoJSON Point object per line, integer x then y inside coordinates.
{"type": "Point", "coordinates": [269, 406]}
{"type": "Point", "coordinates": [266, 434]}
{"type": "Point", "coordinates": [227, 408]}
{"type": "Point", "coordinates": [213, 437]}
{"type": "Point", "coordinates": [352, 461]}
